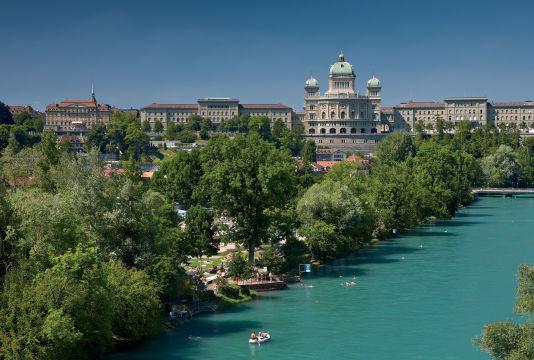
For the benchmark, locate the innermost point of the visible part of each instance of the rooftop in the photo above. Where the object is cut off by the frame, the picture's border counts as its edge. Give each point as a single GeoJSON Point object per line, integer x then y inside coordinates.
{"type": "Point", "coordinates": [170, 106]}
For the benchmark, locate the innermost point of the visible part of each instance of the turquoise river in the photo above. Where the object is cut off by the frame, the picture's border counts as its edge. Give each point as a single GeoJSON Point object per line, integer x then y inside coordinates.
{"type": "Point", "coordinates": [423, 295]}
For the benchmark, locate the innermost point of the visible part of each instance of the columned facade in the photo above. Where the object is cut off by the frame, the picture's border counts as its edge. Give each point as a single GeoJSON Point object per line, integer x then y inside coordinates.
{"type": "Point", "coordinates": [341, 117]}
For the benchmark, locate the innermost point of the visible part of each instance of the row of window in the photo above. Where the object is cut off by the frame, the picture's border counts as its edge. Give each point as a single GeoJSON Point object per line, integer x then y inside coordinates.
{"type": "Point", "coordinates": [343, 141]}
{"type": "Point", "coordinates": [341, 131]}
{"type": "Point", "coordinates": [341, 84]}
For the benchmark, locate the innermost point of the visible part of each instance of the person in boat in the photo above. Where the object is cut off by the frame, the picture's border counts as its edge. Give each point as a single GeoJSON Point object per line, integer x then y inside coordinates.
{"type": "Point", "coordinates": [263, 334]}
{"type": "Point", "coordinates": [253, 336]}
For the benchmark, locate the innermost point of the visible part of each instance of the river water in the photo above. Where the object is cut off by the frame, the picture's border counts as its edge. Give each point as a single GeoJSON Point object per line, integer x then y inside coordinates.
{"type": "Point", "coordinates": [423, 295]}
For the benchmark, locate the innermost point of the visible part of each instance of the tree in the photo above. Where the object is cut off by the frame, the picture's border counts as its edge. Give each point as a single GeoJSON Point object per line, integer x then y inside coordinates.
{"type": "Point", "coordinates": [136, 306]}
{"type": "Point", "coordinates": [193, 123]}
{"type": "Point", "coordinates": [137, 141]}
{"type": "Point", "coordinates": [97, 138]}
{"type": "Point", "coordinates": [63, 312]}
{"type": "Point", "coordinates": [501, 168]}
{"type": "Point", "coordinates": [309, 151]}
{"type": "Point", "coordinates": [179, 176]}
{"type": "Point", "coordinates": [272, 259]}
{"type": "Point", "coordinates": [9, 235]}
{"type": "Point", "coordinates": [238, 267]}
{"type": "Point", "coordinates": [5, 115]}
{"type": "Point", "coordinates": [330, 215]}
{"type": "Point", "coordinates": [187, 137]}
{"type": "Point", "coordinates": [242, 178]}
{"type": "Point", "coordinates": [508, 340]}
{"type": "Point", "coordinates": [146, 126]}
{"type": "Point", "coordinates": [440, 128]}
{"type": "Point", "coordinates": [200, 232]}
{"type": "Point", "coordinates": [158, 126]}
{"type": "Point", "coordinates": [260, 125]}
{"type": "Point", "coordinates": [396, 147]}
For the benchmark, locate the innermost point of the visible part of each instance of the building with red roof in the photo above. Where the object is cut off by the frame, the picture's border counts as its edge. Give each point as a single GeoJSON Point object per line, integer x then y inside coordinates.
{"type": "Point", "coordinates": [75, 114]}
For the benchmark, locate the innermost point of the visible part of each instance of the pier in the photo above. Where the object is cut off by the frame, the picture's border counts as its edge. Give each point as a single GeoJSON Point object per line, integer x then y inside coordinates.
{"type": "Point", "coordinates": [506, 192]}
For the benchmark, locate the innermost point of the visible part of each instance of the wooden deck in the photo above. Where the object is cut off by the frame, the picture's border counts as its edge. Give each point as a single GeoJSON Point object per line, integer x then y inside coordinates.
{"type": "Point", "coordinates": [263, 285]}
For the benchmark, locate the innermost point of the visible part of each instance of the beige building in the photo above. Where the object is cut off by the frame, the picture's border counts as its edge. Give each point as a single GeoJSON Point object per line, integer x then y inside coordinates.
{"type": "Point", "coordinates": [216, 109]}
{"type": "Point", "coordinates": [341, 117]}
{"type": "Point", "coordinates": [478, 110]}
{"type": "Point", "coordinates": [77, 115]}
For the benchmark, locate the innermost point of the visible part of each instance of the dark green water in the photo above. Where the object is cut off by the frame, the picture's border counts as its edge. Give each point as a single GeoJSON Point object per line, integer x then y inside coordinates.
{"type": "Point", "coordinates": [424, 295]}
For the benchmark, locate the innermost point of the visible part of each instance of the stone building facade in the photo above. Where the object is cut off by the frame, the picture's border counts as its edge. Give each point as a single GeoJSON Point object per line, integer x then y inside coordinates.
{"type": "Point", "coordinates": [75, 116]}
{"type": "Point", "coordinates": [477, 110]}
{"type": "Point", "coordinates": [216, 109]}
{"type": "Point", "coordinates": [341, 117]}
{"type": "Point", "coordinates": [17, 109]}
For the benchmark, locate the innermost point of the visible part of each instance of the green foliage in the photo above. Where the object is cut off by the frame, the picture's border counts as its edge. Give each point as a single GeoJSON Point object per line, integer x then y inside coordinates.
{"type": "Point", "coordinates": [272, 259]}
{"type": "Point", "coordinates": [239, 267]}
{"type": "Point", "coordinates": [136, 306]}
{"type": "Point", "coordinates": [123, 136]}
{"type": "Point", "coordinates": [243, 177]}
{"type": "Point", "coordinates": [42, 316]}
{"type": "Point", "coordinates": [9, 234]}
{"type": "Point", "coordinates": [260, 125]}
{"type": "Point", "coordinates": [146, 126]}
{"type": "Point", "coordinates": [507, 340]}
{"type": "Point", "coordinates": [158, 126]}
{"type": "Point", "coordinates": [501, 169]}
{"type": "Point", "coordinates": [5, 115]}
{"type": "Point", "coordinates": [396, 147]}
{"type": "Point", "coordinates": [330, 214]}
{"type": "Point", "coordinates": [187, 137]}
{"type": "Point", "coordinates": [309, 151]}
{"type": "Point", "coordinates": [200, 232]}
{"type": "Point", "coordinates": [178, 176]}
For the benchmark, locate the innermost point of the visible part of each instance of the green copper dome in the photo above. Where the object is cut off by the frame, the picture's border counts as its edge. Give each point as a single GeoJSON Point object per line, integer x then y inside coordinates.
{"type": "Point", "coordinates": [312, 82]}
{"type": "Point", "coordinates": [374, 82]}
{"type": "Point", "coordinates": [341, 68]}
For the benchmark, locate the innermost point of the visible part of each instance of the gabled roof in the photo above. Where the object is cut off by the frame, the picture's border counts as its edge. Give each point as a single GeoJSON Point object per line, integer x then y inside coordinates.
{"type": "Point", "coordinates": [88, 103]}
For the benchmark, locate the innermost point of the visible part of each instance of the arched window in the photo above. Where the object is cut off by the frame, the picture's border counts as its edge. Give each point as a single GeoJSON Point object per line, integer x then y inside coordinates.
{"type": "Point", "coordinates": [311, 131]}
{"type": "Point", "coordinates": [362, 130]}
{"type": "Point", "coordinates": [323, 131]}
{"type": "Point", "coordinates": [353, 131]}
{"type": "Point", "coordinates": [332, 131]}
{"type": "Point", "coordinates": [373, 131]}
{"type": "Point", "coordinates": [332, 115]}
{"type": "Point", "coordinates": [323, 115]}
{"type": "Point", "coordinates": [342, 114]}
{"type": "Point", "coordinates": [342, 131]}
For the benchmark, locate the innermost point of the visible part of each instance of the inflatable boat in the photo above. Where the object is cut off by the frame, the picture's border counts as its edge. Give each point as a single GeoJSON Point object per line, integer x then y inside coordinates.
{"type": "Point", "coordinates": [260, 339]}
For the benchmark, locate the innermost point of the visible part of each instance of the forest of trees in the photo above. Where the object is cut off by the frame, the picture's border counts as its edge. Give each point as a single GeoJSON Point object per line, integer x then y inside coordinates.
{"type": "Point", "coordinates": [87, 258]}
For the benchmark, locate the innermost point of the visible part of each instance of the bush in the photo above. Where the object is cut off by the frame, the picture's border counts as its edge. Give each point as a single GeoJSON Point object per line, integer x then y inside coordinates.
{"type": "Point", "coordinates": [229, 290]}
{"type": "Point", "coordinates": [238, 266]}
{"type": "Point", "coordinates": [272, 259]}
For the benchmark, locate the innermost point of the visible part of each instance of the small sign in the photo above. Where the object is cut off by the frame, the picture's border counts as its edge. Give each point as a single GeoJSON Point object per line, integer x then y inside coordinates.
{"type": "Point", "coordinates": [307, 267]}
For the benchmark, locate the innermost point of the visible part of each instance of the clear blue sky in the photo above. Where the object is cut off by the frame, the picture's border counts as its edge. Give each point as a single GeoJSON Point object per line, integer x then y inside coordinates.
{"type": "Point", "coordinates": [138, 52]}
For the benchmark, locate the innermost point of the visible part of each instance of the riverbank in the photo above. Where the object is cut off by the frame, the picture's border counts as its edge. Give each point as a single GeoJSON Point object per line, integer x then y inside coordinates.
{"type": "Point", "coordinates": [424, 293]}
{"type": "Point", "coordinates": [232, 303]}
